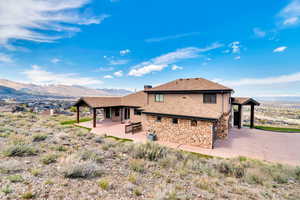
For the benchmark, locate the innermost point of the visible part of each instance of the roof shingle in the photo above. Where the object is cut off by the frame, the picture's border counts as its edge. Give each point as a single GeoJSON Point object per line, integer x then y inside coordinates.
{"type": "Point", "coordinates": [190, 84]}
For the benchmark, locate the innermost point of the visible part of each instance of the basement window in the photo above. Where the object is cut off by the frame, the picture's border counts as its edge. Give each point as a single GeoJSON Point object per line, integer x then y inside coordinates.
{"type": "Point", "coordinates": [194, 123]}
{"type": "Point", "coordinates": [175, 121]}
{"type": "Point", "coordinates": [158, 119]}
{"type": "Point", "coordinates": [210, 98]}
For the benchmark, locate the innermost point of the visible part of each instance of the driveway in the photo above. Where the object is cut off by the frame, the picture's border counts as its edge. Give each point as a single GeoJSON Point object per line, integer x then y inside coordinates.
{"type": "Point", "coordinates": [253, 143]}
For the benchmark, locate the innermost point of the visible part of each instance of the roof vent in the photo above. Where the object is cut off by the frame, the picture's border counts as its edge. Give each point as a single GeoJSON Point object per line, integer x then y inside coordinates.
{"type": "Point", "coordinates": [147, 87]}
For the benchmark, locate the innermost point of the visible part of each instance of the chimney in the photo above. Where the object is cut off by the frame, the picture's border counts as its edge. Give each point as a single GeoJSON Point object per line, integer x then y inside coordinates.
{"type": "Point", "coordinates": [147, 87]}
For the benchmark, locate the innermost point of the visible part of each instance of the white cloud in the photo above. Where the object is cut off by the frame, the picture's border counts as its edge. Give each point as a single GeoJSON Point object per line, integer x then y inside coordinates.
{"type": "Point", "coordinates": [176, 67]}
{"type": "Point", "coordinates": [171, 37]}
{"type": "Point", "coordinates": [161, 62]}
{"type": "Point", "coordinates": [30, 19]}
{"type": "Point", "coordinates": [235, 47]}
{"type": "Point", "coordinates": [104, 69]}
{"type": "Point", "coordinates": [118, 73]}
{"type": "Point", "coordinates": [118, 62]}
{"type": "Point", "coordinates": [108, 77]}
{"type": "Point", "coordinates": [55, 60]}
{"type": "Point", "coordinates": [5, 58]}
{"type": "Point", "coordinates": [265, 81]}
{"type": "Point", "coordinates": [280, 49]}
{"type": "Point", "coordinates": [259, 33]}
{"type": "Point", "coordinates": [291, 21]}
{"type": "Point", "coordinates": [37, 75]}
{"type": "Point", "coordinates": [237, 58]}
{"type": "Point", "coordinates": [124, 52]}
{"type": "Point", "coordinates": [290, 14]}
{"type": "Point", "coordinates": [146, 69]}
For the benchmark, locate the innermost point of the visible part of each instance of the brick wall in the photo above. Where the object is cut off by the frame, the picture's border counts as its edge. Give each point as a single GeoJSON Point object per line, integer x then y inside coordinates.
{"type": "Point", "coordinates": [181, 133]}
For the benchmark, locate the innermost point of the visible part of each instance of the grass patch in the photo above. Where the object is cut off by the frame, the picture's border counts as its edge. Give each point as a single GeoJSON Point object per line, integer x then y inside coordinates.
{"type": "Point", "coordinates": [15, 178]}
{"type": "Point", "coordinates": [103, 184]}
{"type": "Point", "coordinates": [69, 122]}
{"type": "Point", "coordinates": [49, 158]}
{"type": "Point", "coordinates": [277, 129]}
{"type": "Point", "coordinates": [39, 137]}
{"type": "Point", "coordinates": [119, 139]}
{"type": "Point", "coordinates": [28, 195]}
{"type": "Point", "coordinates": [20, 150]}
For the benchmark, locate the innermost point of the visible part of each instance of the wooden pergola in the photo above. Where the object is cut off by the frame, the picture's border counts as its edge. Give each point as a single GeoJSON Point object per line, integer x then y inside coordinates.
{"type": "Point", "coordinates": [240, 102]}
{"type": "Point", "coordinates": [109, 104]}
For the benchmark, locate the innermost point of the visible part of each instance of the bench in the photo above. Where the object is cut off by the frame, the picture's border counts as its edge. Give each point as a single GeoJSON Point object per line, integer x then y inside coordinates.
{"type": "Point", "coordinates": [133, 127]}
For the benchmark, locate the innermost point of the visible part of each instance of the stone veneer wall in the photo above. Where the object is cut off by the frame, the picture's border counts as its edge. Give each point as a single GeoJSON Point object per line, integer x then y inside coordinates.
{"type": "Point", "coordinates": [222, 126]}
{"type": "Point", "coordinates": [181, 133]}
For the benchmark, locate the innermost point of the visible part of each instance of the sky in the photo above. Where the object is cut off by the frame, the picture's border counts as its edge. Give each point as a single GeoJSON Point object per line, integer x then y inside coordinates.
{"type": "Point", "coordinates": [250, 46]}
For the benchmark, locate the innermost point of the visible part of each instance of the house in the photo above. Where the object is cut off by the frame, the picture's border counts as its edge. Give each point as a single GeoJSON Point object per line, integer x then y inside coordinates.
{"type": "Point", "coordinates": [192, 111]}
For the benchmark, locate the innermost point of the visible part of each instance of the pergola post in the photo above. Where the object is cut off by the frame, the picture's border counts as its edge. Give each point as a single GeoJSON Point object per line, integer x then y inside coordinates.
{"type": "Point", "coordinates": [78, 116]}
{"type": "Point", "coordinates": [240, 117]}
{"type": "Point", "coordinates": [252, 116]}
{"type": "Point", "coordinates": [94, 117]}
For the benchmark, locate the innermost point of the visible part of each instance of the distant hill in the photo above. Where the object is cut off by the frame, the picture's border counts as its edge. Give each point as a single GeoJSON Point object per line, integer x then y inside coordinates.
{"type": "Point", "coordinates": [11, 87]}
{"type": "Point", "coordinates": [10, 91]}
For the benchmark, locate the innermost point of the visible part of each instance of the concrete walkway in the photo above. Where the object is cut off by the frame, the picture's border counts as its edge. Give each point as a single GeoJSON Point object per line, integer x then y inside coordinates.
{"type": "Point", "coordinates": [263, 145]}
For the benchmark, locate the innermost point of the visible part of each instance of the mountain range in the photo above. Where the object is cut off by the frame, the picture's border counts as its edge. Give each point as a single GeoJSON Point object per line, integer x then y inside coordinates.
{"type": "Point", "coordinates": [8, 87]}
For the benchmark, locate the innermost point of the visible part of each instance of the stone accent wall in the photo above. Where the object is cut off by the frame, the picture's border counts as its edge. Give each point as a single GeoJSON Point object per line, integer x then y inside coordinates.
{"type": "Point", "coordinates": [222, 126]}
{"type": "Point", "coordinates": [181, 133]}
{"type": "Point", "coordinates": [133, 117]}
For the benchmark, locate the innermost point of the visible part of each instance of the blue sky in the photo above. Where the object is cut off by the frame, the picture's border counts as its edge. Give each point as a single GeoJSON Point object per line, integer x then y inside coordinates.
{"type": "Point", "coordinates": [251, 46]}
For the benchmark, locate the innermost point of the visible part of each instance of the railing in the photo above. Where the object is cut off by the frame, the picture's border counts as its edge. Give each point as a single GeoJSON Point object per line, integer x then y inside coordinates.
{"type": "Point", "coordinates": [133, 127]}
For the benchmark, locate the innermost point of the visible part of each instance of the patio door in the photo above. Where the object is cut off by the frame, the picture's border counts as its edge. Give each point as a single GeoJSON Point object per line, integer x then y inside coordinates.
{"type": "Point", "coordinates": [107, 113]}
{"type": "Point", "coordinates": [127, 113]}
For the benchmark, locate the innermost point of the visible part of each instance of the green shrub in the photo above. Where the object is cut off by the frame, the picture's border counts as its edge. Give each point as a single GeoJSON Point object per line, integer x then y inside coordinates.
{"type": "Point", "coordinates": [297, 173]}
{"type": "Point", "coordinates": [90, 155]}
{"type": "Point", "coordinates": [20, 150]}
{"type": "Point", "coordinates": [137, 192]}
{"type": "Point", "coordinates": [103, 184]}
{"type": "Point", "coordinates": [78, 169]}
{"type": "Point", "coordinates": [49, 158]}
{"type": "Point", "coordinates": [35, 172]}
{"type": "Point", "coordinates": [137, 165]}
{"type": "Point", "coordinates": [39, 137]}
{"type": "Point", "coordinates": [6, 190]}
{"type": "Point", "coordinates": [15, 178]}
{"type": "Point", "coordinates": [231, 169]}
{"type": "Point", "coordinates": [150, 151]}
{"type": "Point", "coordinates": [28, 195]}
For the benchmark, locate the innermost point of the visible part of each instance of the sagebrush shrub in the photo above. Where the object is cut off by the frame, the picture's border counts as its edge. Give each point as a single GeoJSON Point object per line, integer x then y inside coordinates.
{"type": "Point", "coordinates": [20, 150]}
{"type": "Point", "coordinates": [149, 151]}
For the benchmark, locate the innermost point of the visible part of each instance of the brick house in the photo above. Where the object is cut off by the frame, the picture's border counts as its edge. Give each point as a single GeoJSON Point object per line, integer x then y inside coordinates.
{"type": "Point", "coordinates": [191, 111]}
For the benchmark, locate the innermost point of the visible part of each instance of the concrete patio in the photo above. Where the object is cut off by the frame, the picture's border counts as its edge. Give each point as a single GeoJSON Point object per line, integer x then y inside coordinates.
{"type": "Point", "coordinates": [264, 145]}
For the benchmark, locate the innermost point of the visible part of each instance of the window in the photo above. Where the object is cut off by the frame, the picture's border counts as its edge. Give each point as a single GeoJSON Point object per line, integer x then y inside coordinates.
{"type": "Point", "coordinates": [117, 112]}
{"type": "Point", "coordinates": [210, 98]}
{"type": "Point", "coordinates": [159, 98]}
{"type": "Point", "coordinates": [175, 121]}
{"type": "Point", "coordinates": [158, 118]}
{"type": "Point", "coordinates": [137, 112]}
{"type": "Point", "coordinates": [194, 123]}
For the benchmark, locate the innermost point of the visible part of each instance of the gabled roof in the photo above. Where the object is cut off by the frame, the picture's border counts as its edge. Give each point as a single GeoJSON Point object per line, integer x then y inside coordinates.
{"type": "Point", "coordinates": [189, 85]}
{"type": "Point", "coordinates": [137, 99]}
{"type": "Point", "coordinates": [244, 101]}
{"type": "Point", "coordinates": [98, 102]}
